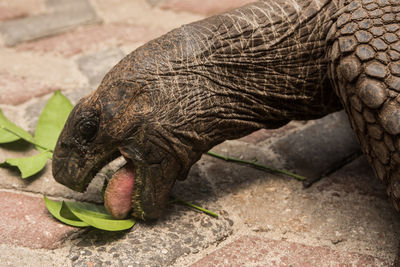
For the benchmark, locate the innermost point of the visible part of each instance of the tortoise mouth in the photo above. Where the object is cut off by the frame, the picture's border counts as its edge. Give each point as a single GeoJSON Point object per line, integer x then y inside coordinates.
{"type": "Point", "coordinates": [77, 173]}
{"type": "Point", "coordinates": [125, 195]}
{"type": "Point", "coordinates": [123, 187]}
{"type": "Point", "coordinates": [101, 167]}
{"type": "Point", "coordinates": [119, 191]}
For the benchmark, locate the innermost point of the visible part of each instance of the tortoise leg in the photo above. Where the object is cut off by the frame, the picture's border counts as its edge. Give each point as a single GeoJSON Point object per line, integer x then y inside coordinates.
{"type": "Point", "coordinates": [364, 54]}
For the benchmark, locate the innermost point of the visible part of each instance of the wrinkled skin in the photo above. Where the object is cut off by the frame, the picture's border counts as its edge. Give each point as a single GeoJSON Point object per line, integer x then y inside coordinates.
{"type": "Point", "coordinates": [224, 77]}
{"type": "Point", "coordinates": [100, 128]}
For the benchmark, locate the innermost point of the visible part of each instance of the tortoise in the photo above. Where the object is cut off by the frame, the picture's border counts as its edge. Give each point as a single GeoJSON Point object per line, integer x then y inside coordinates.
{"type": "Point", "coordinates": [259, 66]}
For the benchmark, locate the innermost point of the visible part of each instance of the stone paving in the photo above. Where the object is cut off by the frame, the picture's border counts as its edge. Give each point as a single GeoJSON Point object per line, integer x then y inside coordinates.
{"type": "Point", "coordinates": [265, 219]}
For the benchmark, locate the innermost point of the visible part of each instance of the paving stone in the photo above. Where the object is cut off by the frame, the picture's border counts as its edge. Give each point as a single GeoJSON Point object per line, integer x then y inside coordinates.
{"type": "Point", "coordinates": [257, 136]}
{"type": "Point", "coordinates": [95, 66]}
{"type": "Point", "coordinates": [180, 232]}
{"type": "Point", "coordinates": [14, 9]}
{"type": "Point", "coordinates": [229, 177]}
{"type": "Point", "coordinates": [154, 2]}
{"type": "Point", "coordinates": [12, 256]}
{"type": "Point", "coordinates": [141, 12]}
{"type": "Point", "coordinates": [355, 178]}
{"type": "Point", "coordinates": [93, 37]}
{"type": "Point", "coordinates": [265, 135]}
{"type": "Point", "coordinates": [65, 14]}
{"type": "Point", "coordinates": [7, 13]}
{"type": "Point", "coordinates": [43, 69]}
{"type": "Point", "coordinates": [157, 244]}
{"type": "Point", "coordinates": [25, 222]}
{"type": "Point", "coordinates": [207, 7]}
{"type": "Point", "coordinates": [268, 252]}
{"type": "Point", "coordinates": [16, 90]}
{"type": "Point", "coordinates": [318, 149]}
{"type": "Point", "coordinates": [347, 210]}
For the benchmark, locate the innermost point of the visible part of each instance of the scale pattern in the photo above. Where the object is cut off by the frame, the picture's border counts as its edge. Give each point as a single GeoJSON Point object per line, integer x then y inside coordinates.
{"type": "Point", "coordinates": [364, 54]}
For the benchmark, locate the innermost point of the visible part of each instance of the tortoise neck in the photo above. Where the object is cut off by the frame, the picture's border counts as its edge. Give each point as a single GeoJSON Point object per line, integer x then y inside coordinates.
{"type": "Point", "coordinates": [226, 76]}
{"type": "Point", "coordinates": [257, 67]}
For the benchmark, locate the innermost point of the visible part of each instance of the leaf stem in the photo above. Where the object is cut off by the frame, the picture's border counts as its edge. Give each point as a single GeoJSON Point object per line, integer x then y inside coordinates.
{"type": "Point", "coordinates": [257, 165]}
{"type": "Point", "coordinates": [30, 140]}
{"type": "Point", "coordinates": [45, 148]}
{"type": "Point", "coordinates": [177, 200]}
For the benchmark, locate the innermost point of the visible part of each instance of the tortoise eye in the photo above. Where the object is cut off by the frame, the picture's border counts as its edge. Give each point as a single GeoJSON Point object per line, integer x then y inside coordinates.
{"type": "Point", "coordinates": [88, 129]}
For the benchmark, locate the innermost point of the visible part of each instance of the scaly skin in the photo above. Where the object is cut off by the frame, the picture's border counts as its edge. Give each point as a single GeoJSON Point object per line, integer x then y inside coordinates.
{"type": "Point", "coordinates": [259, 66]}
{"type": "Point", "coordinates": [364, 48]}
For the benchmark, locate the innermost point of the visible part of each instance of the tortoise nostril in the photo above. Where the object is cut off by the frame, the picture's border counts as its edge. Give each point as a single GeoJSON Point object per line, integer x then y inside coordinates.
{"type": "Point", "coordinates": [63, 152]}
{"type": "Point", "coordinates": [63, 149]}
{"type": "Point", "coordinates": [66, 143]}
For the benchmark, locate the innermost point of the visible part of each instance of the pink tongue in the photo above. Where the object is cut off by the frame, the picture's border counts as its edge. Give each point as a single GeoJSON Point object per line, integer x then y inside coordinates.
{"type": "Point", "coordinates": [118, 195]}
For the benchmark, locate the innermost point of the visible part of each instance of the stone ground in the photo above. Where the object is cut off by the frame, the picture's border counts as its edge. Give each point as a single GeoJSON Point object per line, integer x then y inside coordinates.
{"type": "Point", "coordinates": [265, 219]}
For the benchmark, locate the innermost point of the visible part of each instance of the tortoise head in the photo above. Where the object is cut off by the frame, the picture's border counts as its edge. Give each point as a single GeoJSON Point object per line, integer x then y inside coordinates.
{"type": "Point", "coordinates": [125, 116]}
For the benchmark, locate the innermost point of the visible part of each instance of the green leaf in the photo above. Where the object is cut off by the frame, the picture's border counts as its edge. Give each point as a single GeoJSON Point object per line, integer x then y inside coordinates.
{"type": "Point", "coordinates": [29, 166]}
{"type": "Point", "coordinates": [67, 214]}
{"type": "Point", "coordinates": [85, 214]}
{"type": "Point", "coordinates": [100, 223]}
{"type": "Point", "coordinates": [51, 121]}
{"type": "Point", "coordinates": [11, 132]}
{"type": "Point", "coordinates": [97, 211]}
{"type": "Point", "coordinates": [7, 137]}
{"type": "Point", "coordinates": [55, 208]}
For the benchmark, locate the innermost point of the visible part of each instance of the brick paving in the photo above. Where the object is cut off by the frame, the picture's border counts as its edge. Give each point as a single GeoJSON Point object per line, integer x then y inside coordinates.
{"type": "Point", "coordinates": [207, 7]}
{"type": "Point", "coordinates": [267, 252]}
{"type": "Point", "coordinates": [25, 222]}
{"type": "Point", "coordinates": [91, 38]}
{"type": "Point", "coordinates": [23, 89]}
{"type": "Point", "coordinates": [7, 13]}
{"type": "Point", "coordinates": [62, 15]}
{"type": "Point", "coordinates": [266, 219]}
{"type": "Point", "coordinates": [10, 10]}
